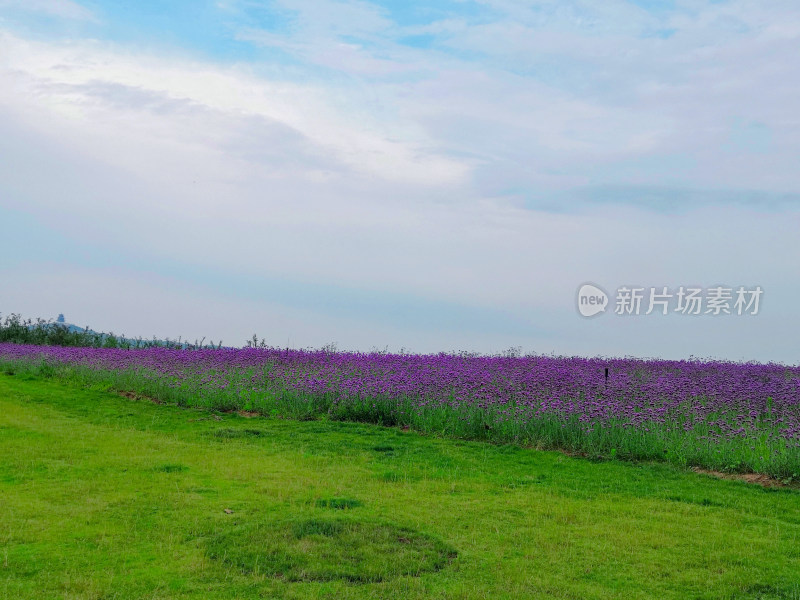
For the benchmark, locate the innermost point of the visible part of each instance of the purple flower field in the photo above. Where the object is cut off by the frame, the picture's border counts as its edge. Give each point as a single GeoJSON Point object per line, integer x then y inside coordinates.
{"type": "Point", "coordinates": [720, 415]}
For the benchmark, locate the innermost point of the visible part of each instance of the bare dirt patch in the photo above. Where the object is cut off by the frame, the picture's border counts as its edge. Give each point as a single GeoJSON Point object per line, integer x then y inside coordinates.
{"type": "Point", "coordinates": [135, 396]}
{"type": "Point", "coordinates": [248, 414]}
{"type": "Point", "coordinates": [756, 478]}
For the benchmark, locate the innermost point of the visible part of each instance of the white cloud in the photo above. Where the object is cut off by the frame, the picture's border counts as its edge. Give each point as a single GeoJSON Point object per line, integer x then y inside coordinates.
{"type": "Point", "coordinates": [549, 88]}
{"type": "Point", "coordinates": [407, 171]}
{"type": "Point", "coordinates": [69, 79]}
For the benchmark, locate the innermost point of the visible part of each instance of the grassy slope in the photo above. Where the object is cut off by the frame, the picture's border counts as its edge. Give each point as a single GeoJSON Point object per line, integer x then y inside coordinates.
{"type": "Point", "coordinates": [105, 497]}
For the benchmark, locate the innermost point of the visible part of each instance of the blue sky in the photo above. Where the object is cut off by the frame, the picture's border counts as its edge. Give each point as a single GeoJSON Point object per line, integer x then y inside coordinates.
{"type": "Point", "coordinates": [431, 176]}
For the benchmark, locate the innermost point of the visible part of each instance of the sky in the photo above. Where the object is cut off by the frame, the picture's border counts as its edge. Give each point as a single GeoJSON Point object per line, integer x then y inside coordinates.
{"type": "Point", "coordinates": [400, 175]}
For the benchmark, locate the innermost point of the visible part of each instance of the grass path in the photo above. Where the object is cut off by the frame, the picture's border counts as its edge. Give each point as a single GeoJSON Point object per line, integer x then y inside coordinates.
{"type": "Point", "coordinates": [106, 497]}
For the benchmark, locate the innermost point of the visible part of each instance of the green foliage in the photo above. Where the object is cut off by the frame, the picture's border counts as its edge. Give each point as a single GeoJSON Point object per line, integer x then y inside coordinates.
{"type": "Point", "coordinates": [338, 503]}
{"type": "Point", "coordinates": [105, 496]}
{"type": "Point", "coordinates": [610, 442]}
{"type": "Point", "coordinates": [16, 330]}
{"type": "Point", "coordinates": [303, 549]}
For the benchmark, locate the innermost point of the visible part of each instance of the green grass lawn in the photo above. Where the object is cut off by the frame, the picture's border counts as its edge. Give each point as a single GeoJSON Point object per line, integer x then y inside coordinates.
{"type": "Point", "coordinates": [102, 496]}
